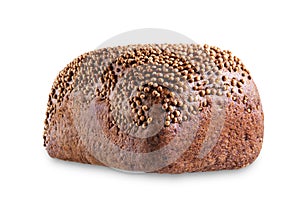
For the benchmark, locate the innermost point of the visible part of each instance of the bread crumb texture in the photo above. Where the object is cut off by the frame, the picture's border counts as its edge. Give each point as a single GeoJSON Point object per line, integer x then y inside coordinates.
{"type": "Point", "coordinates": [165, 108]}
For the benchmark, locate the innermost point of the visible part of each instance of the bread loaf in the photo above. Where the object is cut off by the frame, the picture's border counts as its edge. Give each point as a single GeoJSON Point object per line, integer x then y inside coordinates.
{"type": "Point", "coordinates": [165, 108]}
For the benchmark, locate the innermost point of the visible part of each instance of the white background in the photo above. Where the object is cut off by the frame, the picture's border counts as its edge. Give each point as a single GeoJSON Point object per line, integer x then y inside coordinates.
{"type": "Point", "coordinates": [38, 39]}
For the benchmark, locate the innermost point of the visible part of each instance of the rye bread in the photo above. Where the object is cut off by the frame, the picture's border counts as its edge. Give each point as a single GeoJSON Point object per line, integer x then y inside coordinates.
{"type": "Point", "coordinates": [166, 108]}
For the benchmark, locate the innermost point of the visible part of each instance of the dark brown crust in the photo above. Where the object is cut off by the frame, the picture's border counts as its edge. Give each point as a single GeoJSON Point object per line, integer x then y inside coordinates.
{"type": "Point", "coordinates": [238, 144]}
